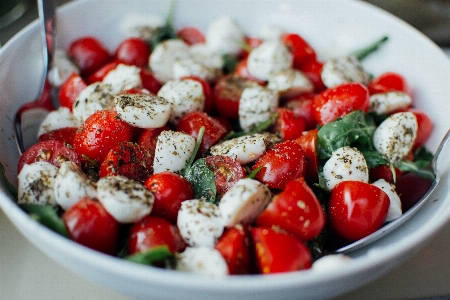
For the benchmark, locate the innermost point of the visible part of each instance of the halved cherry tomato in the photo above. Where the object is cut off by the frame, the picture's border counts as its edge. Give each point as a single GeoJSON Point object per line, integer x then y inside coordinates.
{"type": "Point", "coordinates": [300, 48]}
{"type": "Point", "coordinates": [89, 224]}
{"type": "Point", "coordinates": [278, 252]}
{"type": "Point", "coordinates": [101, 132]}
{"type": "Point", "coordinates": [234, 245]}
{"type": "Point", "coordinates": [338, 101]}
{"type": "Point", "coordinates": [152, 232]}
{"type": "Point", "coordinates": [288, 126]}
{"type": "Point", "coordinates": [70, 89]}
{"type": "Point", "coordinates": [296, 210]}
{"type": "Point", "coordinates": [192, 122]}
{"type": "Point", "coordinates": [191, 35]}
{"type": "Point", "coordinates": [64, 135]}
{"type": "Point", "coordinates": [227, 172]}
{"type": "Point", "coordinates": [51, 151]}
{"type": "Point", "coordinates": [313, 70]}
{"type": "Point", "coordinates": [133, 51]}
{"type": "Point", "coordinates": [424, 128]}
{"type": "Point", "coordinates": [411, 187]}
{"type": "Point", "coordinates": [149, 81]}
{"type": "Point", "coordinates": [387, 82]}
{"type": "Point", "coordinates": [148, 138]}
{"type": "Point", "coordinates": [280, 164]}
{"type": "Point", "coordinates": [242, 71]}
{"type": "Point", "coordinates": [99, 74]}
{"type": "Point", "coordinates": [357, 209]}
{"type": "Point", "coordinates": [302, 106]}
{"type": "Point", "coordinates": [129, 160]}
{"type": "Point", "coordinates": [170, 190]}
{"type": "Point", "coordinates": [308, 141]}
{"type": "Point", "coordinates": [89, 54]}
{"type": "Point", "coordinates": [207, 91]}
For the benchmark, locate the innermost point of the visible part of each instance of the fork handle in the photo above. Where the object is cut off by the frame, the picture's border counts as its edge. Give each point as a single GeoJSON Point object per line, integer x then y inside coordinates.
{"type": "Point", "coordinates": [47, 20]}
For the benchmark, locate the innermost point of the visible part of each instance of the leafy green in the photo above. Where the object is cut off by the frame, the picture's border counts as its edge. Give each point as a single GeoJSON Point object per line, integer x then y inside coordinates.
{"type": "Point", "coordinates": [154, 256]}
{"type": "Point", "coordinates": [5, 182]}
{"type": "Point", "coordinates": [254, 172]}
{"type": "Point", "coordinates": [354, 129]}
{"type": "Point", "coordinates": [167, 31]}
{"type": "Point", "coordinates": [422, 159]}
{"type": "Point", "coordinates": [259, 128]}
{"type": "Point", "coordinates": [366, 51]}
{"type": "Point", "coordinates": [374, 158]}
{"type": "Point", "coordinates": [229, 63]}
{"type": "Point", "coordinates": [46, 215]}
{"type": "Point", "coordinates": [203, 181]}
{"type": "Point", "coordinates": [201, 132]}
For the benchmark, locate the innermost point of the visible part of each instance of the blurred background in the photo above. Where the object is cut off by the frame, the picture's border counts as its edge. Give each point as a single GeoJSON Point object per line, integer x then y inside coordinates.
{"type": "Point", "coordinates": [432, 17]}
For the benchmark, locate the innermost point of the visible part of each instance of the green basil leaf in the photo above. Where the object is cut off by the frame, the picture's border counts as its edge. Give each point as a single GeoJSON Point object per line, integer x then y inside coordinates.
{"type": "Point", "coordinates": [166, 32]}
{"type": "Point", "coordinates": [366, 51]}
{"type": "Point", "coordinates": [5, 182]}
{"type": "Point", "coordinates": [374, 158]}
{"type": "Point", "coordinates": [202, 179]}
{"type": "Point", "coordinates": [153, 256]}
{"type": "Point", "coordinates": [229, 63]}
{"type": "Point", "coordinates": [415, 167]}
{"type": "Point", "coordinates": [254, 172]}
{"type": "Point", "coordinates": [46, 215]}
{"type": "Point", "coordinates": [258, 129]}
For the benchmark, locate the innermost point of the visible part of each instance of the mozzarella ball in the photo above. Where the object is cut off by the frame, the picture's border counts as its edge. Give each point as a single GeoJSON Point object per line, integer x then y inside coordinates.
{"type": "Point", "coordinates": [387, 103]}
{"type": "Point", "coordinates": [123, 78]}
{"type": "Point", "coordinates": [203, 261]}
{"type": "Point", "coordinates": [290, 82]}
{"type": "Point", "coordinates": [164, 56]}
{"type": "Point", "coordinates": [96, 96]}
{"type": "Point", "coordinates": [62, 68]}
{"type": "Point", "coordinates": [395, 205]}
{"type": "Point", "coordinates": [57, 119]}
{"type": "Point", "coordinates": [36, 182]}
{"type": "Point", "coordinates": [345, 69]}
{"type": "Point", "coordinates": [256, 105]}
{"type": "Point", "coordinates": [224, 36]}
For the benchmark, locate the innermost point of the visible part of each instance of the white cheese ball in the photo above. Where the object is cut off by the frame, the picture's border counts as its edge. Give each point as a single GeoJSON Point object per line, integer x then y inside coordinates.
{"type": "Point", "coordinates": [256, 105]}
{"type": "Point", "coordinates": [271, 32]}
{"type": "Point", "coordinates": [185, 96]}
{"type": "Point", "coordinates": [96, 96]}
{"type": "Point", "coordinates": [224, 36]}
{"type": "Point", "coordinates": [200, 223]}
{"type": "Point", "coordinates": [36, 182]}
{"type": "Point", "coordinates": [191, 67]}
{"type": "Point", "coordinates": [395, 205]}
{"type": "Point", "coordinates": [142, 110]}
{"type": "Point", "coordinates": [72, 185]}
{"type": "Point", "coordinates": [395, 136]}
{"type": "Point", "coordinates": [389, 102]}
{"type": "Point", "coordinates": [202, 53]}
{"type": "Point", "coordinates": [143, 26]}
{"type": "Point", "coordinates": [244, 202]}
{"type": "Point", "coordinates": [268, 58]}
{"type": "Point", "coordinates": [57, 119]}
{"type": "Point", "coordinates": [164, 56]}
{"type": "Point", "coordinates": [345, 69]}
{"type": "Point", "coordinates": [123, 78]}
{"type": "Point", "coordinates": [243, 149]}
{"type": "Point", "coordinates": [126, 200]}
{"type": "Point", "coordinates": [203, 261]}
{"type": "Point", "coordinates": [290, 82]}
{"type": "Point", "coordinates": [346, 163]}
{"type": "Point", "coordinates": [173, 150]}
{"type": "Point", "coordinates": [62, 68]}
{"type": "Point", "coordinates": [332, 261]}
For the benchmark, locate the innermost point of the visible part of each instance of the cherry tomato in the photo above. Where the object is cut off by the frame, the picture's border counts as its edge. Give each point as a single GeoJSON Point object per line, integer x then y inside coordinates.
{"type": "Point", "coordinates": [191, 35]}
{"type": "Point", "coordinates": [170, 190]}
{"type": "Point", "coordinates": [51, 151]}
{"type": "Point", "coordinates": [308, 141]}
{"type": "Point", "coordinates": [102, 131]}
{"type": "Point", "coordinates": [313, 70]}
{"type": "Point", "coordinates": [300, 48]}
{"type": "Point", "coordinates": [149, 81]}
{"type": "Point", "coordinates": [384, 172]}
{"type": "Point", "coordinates": [288, 126]}
{"type": "Point", "coordinates": [296, 210]}
{"type": "Point", "coordinates": [129, 160]}
{"type": "Point", "coordinates": [424, 128]}
{"type": "Point", "coordinates": [278, 252]}
{"type": "Point", "coordinates": [242, 71]}
{"type": "Point", "coordinates": [302, 106]}
{"type": "Point", "coordinates": [234, 245]}
{"type": "Point", "coordinates": [251, 42]}
{"type": "Point", "coordinates": [99, 74]}
{"type": "Point", "coordinates": [226, 171]}
{"type": "Point", "coordinates": [64, 135]}
{"type": "Point", "coordinates": [388, 82]}
{"type": "Point", "coordinates": [280, 164]}
{"type": "Point", "coordinates": [152, 232]}
{"type": "Point", "coordinates": [192, 122]}
{"type": "Point", "coordinates": [227, 93]}
{"type": "Point", "coordinates": [70, 89]}
{"type": "Point", "coordinates": [411, 187]}
{"type": "Point", "coordinates": [133, 51]}
{"type": "Point", "coordinates": [149, 137]}
{"type": "Point", "coordinates": [89, 54]}
{"type": "Point", "coordinates": [89, 224]}
{"type": "Point", "coordinates": [207, 91]}
{"type": "Point", "coordinates": [338, 101]}
{"type": "Point", "coordinates": [357, 209]}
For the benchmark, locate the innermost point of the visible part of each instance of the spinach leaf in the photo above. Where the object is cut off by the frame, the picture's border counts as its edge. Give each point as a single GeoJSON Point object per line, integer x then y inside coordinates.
{"type": "Point", "coordinates": [374, 158]}
{"type": "Point", "coordinates": [229, 63]}
{"type": "Point", "coordinates": [154, 256]}
{"type": "Point", "coordinates": [354, 129]}
{"type": "Point", "coordinates": [422, 159]}
{"type": "Point", "coordinates": [5, 182]}
{"type": "Point", "coordinates": [203, 181]}
{"type": "Point", "coordinates": [46, 215]}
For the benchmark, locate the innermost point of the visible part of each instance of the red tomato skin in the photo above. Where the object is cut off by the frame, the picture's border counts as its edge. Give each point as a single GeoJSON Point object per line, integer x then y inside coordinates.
{"type": "Point", "coordinates": [89, 54]}
{"type": "Point", "coordinates": [89, 224]}
{"type": "Point", "coordinates": [304, 219]}
{"type": "Point", "coordinates": [152, 232]}
{"type": "Point", "coordinates": [253, 43]}
{"type": "Point", "coordinates": [410, 187]}
{"type": "Point", "coordinates": [234, 245]}
{"type": "Point", "coordinates": [70, 89]}
{"type": "Point", "coordinates": [102, 131]}
{"type": "Point", "coordinates": [170, 190]}
{"type": "Point", "coordinates": [64, 135]}
{"type": "Point", "coordinates": [129, 160]}
{"type": "Point", "coordinates": [299, 48]}
{"type": "Point", "coordinates": [192, 122]}
{"type": "Point", "coordinates": [278, 252]}
{"type": "Point", "coordinates": [288, 126]}
{"type": "Point", "coordinates": [424, 128]}
{"type": "Point", "coordinates": [51, 151]}
{"type": "Point", "coordinates": [148, 138]}
{"type": "Point", "coordinates": [308, 141]}
{"type": "Point", "coordinates": [280, 164]}
{"type": "Point", "coordinates": [336, 102]}
{"type": "Point", "coordinates": [149, 82]}
{"type": "Point", "coordinates": [133, 51]}
{"type": "Point", "coordinates": [302, 106]}
{"type": "Point", "coordinates": [242, 71]}
{"type": "Point", "coordinates": [191, 35]}
{"type": "Point", "coordinates": [384, 172]}
{"type": "Point", "coordinates": [356, 209]}
{"type": "Point", "coordinates": [388, 82]}
{"type": "Point", "coordinates": [313, 69]}
{"type": "Point", "coordinates": [207, 91]}
{"type": "Point", "coordinates": [226, 171]}
{"type": "Point", "coordinates": [99, 74]}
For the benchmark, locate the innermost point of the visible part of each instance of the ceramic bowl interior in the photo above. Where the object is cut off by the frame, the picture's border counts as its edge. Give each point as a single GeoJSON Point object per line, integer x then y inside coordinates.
{"type": "Point", "coordinates": [332, 28]}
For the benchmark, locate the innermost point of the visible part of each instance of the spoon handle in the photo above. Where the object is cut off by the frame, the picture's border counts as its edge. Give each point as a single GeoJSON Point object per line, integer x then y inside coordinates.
{"type": "Point", "coordinates": [47, 12]}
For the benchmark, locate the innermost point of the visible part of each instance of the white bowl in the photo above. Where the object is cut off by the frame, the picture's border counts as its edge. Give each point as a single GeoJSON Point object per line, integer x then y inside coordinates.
{"type": "Point", "coordinates": [332, 27]}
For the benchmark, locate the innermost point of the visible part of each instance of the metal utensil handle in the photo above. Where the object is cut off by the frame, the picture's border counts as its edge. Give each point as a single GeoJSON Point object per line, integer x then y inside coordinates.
{"type": "Point", "coordinates": [47, 12]}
